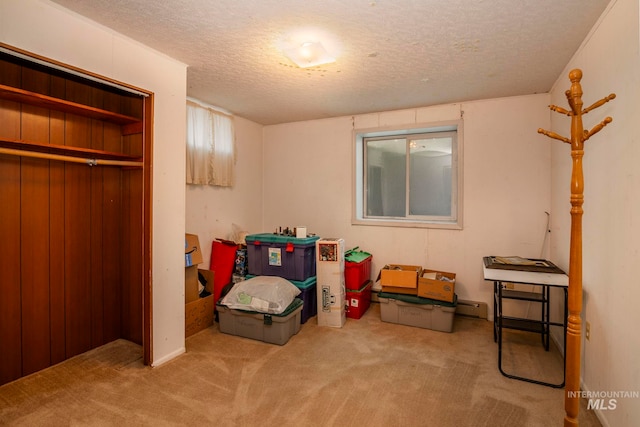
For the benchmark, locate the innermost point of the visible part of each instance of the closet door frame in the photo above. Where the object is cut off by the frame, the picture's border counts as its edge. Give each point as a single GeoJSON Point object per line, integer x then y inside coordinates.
{"type": "Point", "coordinates": [147, 312]}
{"type": "Point", "coordinates": [147, 179]}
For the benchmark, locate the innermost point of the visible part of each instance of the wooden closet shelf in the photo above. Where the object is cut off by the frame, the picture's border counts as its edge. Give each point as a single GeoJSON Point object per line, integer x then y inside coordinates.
{"type": "Point", "coordinates": [65, 150]}
{"type": "Point", "coordinates": [44, 101]}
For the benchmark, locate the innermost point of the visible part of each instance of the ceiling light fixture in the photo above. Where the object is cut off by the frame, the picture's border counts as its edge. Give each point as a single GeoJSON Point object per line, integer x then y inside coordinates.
{"type": "Point", "coordinates": [309, 54]}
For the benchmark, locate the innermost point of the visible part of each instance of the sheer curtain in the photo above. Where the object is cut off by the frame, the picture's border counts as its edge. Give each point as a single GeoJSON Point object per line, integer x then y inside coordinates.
{"type": "Point", "coordinates": [210, 146]}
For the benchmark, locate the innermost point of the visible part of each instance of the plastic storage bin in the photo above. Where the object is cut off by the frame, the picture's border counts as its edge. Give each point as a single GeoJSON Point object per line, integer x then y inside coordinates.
{"type": "Point", "coordinates": [307, 295]}
{"type": "Point", "coordinates": [415, 311]}
{"type": "Point", "coordinates": [358, 302]}
{"type": "Point", "coordinates": [357, 269]}
{"type": "Point", "coordinates": [270, 328]}
{"type": "Point", "coordinates": [288, 257]}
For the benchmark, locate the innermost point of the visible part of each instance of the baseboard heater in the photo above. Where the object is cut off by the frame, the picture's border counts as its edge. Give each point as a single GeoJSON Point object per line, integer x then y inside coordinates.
{"type": "Point", "coordinates": [472, 309]}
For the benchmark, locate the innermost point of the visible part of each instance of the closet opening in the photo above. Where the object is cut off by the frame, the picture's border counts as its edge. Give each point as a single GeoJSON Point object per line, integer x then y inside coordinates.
{"type": "Point", "coordinates": [75, 213]}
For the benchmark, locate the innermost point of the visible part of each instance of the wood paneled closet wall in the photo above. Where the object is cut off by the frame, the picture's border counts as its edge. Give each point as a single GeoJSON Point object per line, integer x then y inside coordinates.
{"type": "Point", "coordinates": [73, 251]}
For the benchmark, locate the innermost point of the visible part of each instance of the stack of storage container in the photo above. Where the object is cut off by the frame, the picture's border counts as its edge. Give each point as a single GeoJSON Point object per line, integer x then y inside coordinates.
{"type": "Point", "coordinates": [287, 257]}
{"type": "Point", "coordinates": [417, 297]}
{"type": "Point", "coordinates": [292, 258]}
{"type": "Point", "coordinates": [357, 279]}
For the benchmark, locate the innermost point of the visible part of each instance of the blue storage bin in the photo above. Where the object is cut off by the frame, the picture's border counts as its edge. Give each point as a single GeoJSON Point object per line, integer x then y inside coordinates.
{"type": "Point", "coordinates": [308, 296]}
{"type": "Point", "coordinates": [288, 257]}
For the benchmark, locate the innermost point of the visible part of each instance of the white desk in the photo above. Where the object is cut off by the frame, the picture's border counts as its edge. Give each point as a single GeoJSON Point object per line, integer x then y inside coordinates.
{"type": "Point", "coordinates": [542, 326]}
{"type": "Point", "coordinates": [528, 277]}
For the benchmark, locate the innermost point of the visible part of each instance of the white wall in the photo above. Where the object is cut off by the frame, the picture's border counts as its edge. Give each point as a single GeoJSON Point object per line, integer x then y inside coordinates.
{"type": "Point", "coordinates": [46, 29]}
{"type": "Point", "coordinates": [212, 211]}
{"type": "Point", "coordinates": [611, 230]}
{"type": "Point", "coordinates": [308, 174]}
{"type": "Point", "coordinates": [512, 176]}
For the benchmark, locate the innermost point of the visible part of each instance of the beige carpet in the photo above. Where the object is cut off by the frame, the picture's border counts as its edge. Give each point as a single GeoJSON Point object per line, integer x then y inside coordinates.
{"type": "Point", "coordinates": [368, 373]}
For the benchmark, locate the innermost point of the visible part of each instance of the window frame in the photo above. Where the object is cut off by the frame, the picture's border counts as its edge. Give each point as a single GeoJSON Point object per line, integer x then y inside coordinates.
{"type": "Point", "coordinates": [359, 176]}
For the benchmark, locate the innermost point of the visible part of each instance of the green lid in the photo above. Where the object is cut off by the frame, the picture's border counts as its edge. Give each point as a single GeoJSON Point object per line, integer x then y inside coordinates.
{"type": "Point", "coordinates": [311, 281]}
{"type": "Point", "coordinates": [306, 284]}
{"type": "Point", "coordinates": [356, 256]}
{"type": "Point", "coordinates": [295, 304]}
{"type": "Point", "coordinates": [368, 283]}
{"type": "Point", "coordinates": [256, 239]}
{"type": "Point", "coordinates": [414, 299]}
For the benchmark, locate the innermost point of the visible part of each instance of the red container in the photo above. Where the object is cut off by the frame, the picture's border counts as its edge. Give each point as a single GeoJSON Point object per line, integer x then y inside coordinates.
{"type": "Point", "coordinates": [356, 274]}
{"type": "Point", "coordinates": [358, 302]}
{"type": "Point", "coordinates": [223, 262]}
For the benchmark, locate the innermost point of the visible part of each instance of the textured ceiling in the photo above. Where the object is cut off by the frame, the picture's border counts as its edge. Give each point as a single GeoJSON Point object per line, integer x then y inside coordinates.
{"type": "Point", "coordinates": [391, 54]}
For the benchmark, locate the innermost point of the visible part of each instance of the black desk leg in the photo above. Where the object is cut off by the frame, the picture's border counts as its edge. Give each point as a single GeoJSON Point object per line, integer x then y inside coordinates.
{"type": "Point", "coordinates": [495, 312]}
{"type": "Point", "coordinates": [547, 319]}
{"type": "Point", "coordinates": [546, 332]}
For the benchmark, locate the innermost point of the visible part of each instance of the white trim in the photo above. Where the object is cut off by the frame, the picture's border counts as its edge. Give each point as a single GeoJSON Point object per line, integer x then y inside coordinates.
{"type": "Point", "coordinates": [168, 357]}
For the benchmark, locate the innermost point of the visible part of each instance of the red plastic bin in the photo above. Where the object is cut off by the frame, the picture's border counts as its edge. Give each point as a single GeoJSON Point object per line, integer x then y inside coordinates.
{"type": "Point", "coordinates": [357, 271]}
{"type": "Point", "coordinates": [223, 261]}
{"type": "Point", "coordinates": [358, 302]}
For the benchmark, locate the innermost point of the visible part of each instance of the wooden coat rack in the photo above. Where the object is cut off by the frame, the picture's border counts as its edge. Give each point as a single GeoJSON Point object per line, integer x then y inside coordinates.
{"type": "Point", "coordinates": [578, 137]}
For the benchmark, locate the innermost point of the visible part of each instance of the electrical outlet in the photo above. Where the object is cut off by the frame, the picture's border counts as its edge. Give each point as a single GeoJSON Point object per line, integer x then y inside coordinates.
{"type": "Point", "coordinates": [587, 331]}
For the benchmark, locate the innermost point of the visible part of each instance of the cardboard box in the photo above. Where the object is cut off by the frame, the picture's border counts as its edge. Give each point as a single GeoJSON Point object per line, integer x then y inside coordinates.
{"type": "Point", "coordinates": [198, 315]}
{"type": "Point", "coordinates": [191, 284]}
{"type": "Point", "coordinates": [192, 251]}
{"type": "Point", "coordinates": [404, 291]}
{"type": "Point", "coordinates": [400, 276]}
{"type": "Point", "coordinates": [330, 288]}
{"type": "Point", "coordinates": [437, 285]}
{"type": "Point", "coordinates": [332, 310]}
{"type": "Point", "coordinates": [198, 312]}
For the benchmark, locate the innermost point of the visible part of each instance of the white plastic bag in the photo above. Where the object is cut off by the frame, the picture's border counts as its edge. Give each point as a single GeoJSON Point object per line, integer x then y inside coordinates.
{"type": "Point", "coordinates": [237, 234]}
{"type": "Point", "coordinates": [265, 294]}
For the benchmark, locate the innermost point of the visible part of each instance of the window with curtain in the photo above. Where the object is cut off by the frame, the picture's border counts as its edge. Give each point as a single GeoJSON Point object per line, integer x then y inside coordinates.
{"type": "Point", "coordinates": [210, 146]}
